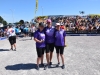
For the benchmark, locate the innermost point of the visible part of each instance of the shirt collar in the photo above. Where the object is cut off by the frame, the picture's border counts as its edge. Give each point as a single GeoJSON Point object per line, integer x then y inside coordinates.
{"type": "Point", "coordinates": [49, 27]}
{"type": "Point", "coordinates": [39, 30]}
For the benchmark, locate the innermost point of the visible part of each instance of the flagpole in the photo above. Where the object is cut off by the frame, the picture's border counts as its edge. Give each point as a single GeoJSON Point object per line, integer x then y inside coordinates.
{"type": "Point", "coordinates": [34, 12]}
{"type": "Point", "coordinates": [36, 8]}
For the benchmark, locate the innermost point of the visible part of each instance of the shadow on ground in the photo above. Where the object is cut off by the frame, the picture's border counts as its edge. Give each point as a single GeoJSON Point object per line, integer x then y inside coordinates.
{"type": "Point", "coordinates": [21, 66]}
{"type": "Point", "coordinates": [4, 50]}
{"type": "Point", "coordinates": [24, 39]}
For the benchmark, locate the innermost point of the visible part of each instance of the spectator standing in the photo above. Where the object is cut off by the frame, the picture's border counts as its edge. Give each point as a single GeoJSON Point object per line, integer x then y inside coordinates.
{"type": "Point", "coordinates": [33, 29]}
{"type": "Point", "coordinates": [25, 30]}
{"type": "Point", "coordinates": [17, 31]}
{"type": "Point", "coordinates": [12, 37]}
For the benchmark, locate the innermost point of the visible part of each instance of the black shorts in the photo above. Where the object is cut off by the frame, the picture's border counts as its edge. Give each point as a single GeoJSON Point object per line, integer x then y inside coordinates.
{"type": "Point", "coordinates": [49, 47]}
{"type": "Point", "coordinates": [12, 40]}
{"type": "Point", "coordinates": [26, 33]}
{"type": "Point", "coordinates": [22, 30]}
{"type": "Point", "coordinates": [17, 33]}
{"type": "Point", "coordinates": [40, 51]}
{"type": "Point", "coordinates": [0, 34]}
{"type": "Point", "coordinates": [59, 49]}
{"type": "Point", "coordinates": [32, 34]}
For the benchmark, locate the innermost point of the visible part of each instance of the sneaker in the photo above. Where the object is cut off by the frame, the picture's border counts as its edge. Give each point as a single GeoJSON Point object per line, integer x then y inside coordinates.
{"type": "Point", "coordinates": [50, 63]}
{"type": "Point", "coordinates": [45, 67]}
{"type": "Point", "coordinates": [58, 65]}
{"type": "Point", "coordinates": [15, 49]}
{"type": "Point", "coordinates": [42, 65]}
{"type": "Point", "coordinates": [11, 49]}
{"type": "Point", "coordinates": [63, 66]}
{"type": "Point", "coordinates": [37, 67]}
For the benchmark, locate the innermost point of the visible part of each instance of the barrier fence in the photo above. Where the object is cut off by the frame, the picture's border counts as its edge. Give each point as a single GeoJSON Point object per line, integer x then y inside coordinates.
{"type": "Point", "coordinates": [83, 34]}
{"type": "Point", "coordinates": [3, 38]}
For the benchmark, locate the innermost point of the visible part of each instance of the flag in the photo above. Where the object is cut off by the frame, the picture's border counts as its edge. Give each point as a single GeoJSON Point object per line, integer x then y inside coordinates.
{"type": "Point", "coordinates": [36, 6]}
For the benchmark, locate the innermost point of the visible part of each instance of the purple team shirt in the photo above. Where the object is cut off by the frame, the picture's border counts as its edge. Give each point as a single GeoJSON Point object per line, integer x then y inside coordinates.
{"type": "Point", "coordinates": [40, 36]}
{"type": "Point", "coordinates": [50, 34]}
{"type": "Point", "coordinates": [59, 37]}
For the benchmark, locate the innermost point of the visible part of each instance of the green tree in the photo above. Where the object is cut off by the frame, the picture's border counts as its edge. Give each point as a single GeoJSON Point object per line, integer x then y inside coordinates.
{"type": "Point", "coordinates": [17, 23]}
{"type": "Point", "coordinates": [9, 23]}
{"type": "Point", "coordinates": [21, 22]}
{"type": "Point", "coordinates": [1, 19]}
{"type": "Point", "coordinates": [4, 23]}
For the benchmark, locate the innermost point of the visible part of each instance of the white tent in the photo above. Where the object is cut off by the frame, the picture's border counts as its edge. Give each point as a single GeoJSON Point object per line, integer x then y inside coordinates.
{"type": "Point", "coordinates": [1, 25]}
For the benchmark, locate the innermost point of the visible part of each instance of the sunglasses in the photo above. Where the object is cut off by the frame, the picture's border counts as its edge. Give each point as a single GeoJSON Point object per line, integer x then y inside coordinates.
{"type": "Point", "coordinates": [48, 22]}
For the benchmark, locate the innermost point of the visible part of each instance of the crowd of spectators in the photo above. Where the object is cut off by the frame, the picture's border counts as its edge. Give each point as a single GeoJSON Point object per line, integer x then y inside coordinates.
{"type": "Point", "coordinates": [73, 24]}
{"type": "Point", "coordinates": [78, 24]}
{"type": "Point", "coordinates": [19, 30]}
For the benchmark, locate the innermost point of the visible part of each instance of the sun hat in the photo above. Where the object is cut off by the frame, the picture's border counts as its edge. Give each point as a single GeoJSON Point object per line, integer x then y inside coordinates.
{"type": "Point", "coordinates": [49, 20]}
{"type": "Point", "coordinates": [57, 24]}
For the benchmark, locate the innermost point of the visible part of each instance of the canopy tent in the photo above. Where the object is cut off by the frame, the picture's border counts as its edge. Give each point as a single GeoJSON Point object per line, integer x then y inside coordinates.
{"type": "Point", "coordinates": [1, 25]}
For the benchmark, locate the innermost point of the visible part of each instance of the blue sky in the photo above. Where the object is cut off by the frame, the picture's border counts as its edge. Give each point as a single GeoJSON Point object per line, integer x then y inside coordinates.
{"type": "Point", "coordinates": [24, 9]}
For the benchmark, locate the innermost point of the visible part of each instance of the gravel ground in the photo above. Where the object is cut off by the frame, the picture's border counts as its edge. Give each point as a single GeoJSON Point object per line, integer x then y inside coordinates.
{"type": "Point", "coordinates": [82, 57]}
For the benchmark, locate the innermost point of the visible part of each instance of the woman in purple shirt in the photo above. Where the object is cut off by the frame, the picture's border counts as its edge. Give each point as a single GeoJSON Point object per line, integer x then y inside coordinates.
{"type": "Point", "coordinates": [39, 37]}
{"type": "Point", "coordinates": [49, 32]}
{"type": "Point", "coordinates": [60, 43]}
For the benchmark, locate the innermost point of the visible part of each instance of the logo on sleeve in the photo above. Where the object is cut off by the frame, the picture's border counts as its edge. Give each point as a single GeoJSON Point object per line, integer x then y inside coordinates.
{"type": "Point", "coordinates": [12, 31]}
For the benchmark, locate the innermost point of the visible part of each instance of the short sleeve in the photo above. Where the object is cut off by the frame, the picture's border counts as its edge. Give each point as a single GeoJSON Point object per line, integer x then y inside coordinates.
{"type": "Point", "coordinates": [8, 32]}
{"type": "Point", "coordinates": [64, 33]}
{"type": "Point", "coordinates": [36, 34]}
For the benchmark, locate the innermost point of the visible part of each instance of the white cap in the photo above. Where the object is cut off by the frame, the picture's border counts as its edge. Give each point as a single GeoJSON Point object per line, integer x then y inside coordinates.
{"type": "Point", "coordinates": [62, 23]}
{"type": "Point", "coordinates": [57, 24]}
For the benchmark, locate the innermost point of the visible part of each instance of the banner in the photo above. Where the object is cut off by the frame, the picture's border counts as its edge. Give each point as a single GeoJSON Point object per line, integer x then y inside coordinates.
{"type": "Point", "coordinates": [36, 6]}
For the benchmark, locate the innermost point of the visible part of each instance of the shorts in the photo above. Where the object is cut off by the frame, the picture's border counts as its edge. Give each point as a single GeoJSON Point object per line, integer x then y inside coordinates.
{"type": "Point", "coordinates": [40, 51]}
{"type": "Point", "coordinates": [0, 34]}
{"type": "Point", "coordinates": [49, 47]}
{"type": "Point", "coordinates": [26, 33]}
{"type": "Point", "coordinates": [59, 49]}
{"type": "Point", "coordinates": [17, 33]}
{"type": "Point", "coordinates": [22, 30]}
{"type": "Point", "coordinates": [32, 34]}
{"type": "Point", "coordinates": [12, 40]}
